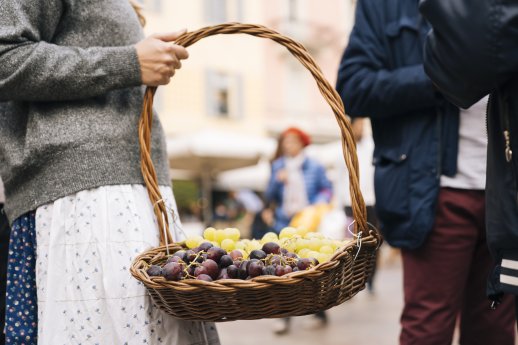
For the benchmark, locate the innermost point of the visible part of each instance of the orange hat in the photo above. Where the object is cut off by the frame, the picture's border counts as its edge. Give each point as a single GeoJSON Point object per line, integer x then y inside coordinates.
{"type": "Point", "coordinates": [304, 137]}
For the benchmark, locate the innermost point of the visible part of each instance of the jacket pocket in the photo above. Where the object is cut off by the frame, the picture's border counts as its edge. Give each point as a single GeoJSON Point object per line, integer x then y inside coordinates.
{"type": "Point", "coordinates": [391, 185]}
{"type": "Point", "coordinates": [404, 42]}
{"type": "Point", "coordinates": [396, 28]}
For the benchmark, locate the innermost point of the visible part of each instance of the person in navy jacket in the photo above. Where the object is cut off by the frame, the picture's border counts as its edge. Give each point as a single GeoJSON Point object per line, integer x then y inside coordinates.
{"type": "Point", "coordinates": [428, 179]}
{"type": "Point", "coordinates": [472, 51]}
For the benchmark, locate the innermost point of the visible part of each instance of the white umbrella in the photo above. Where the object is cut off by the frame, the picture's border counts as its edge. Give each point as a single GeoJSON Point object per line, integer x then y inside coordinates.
{"type": "Point", "coordinates": [209, 152]}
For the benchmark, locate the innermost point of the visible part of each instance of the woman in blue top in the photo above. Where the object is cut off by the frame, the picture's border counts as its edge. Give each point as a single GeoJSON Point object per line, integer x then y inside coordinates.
{"type": "Point", "coordinates": [296, 182]}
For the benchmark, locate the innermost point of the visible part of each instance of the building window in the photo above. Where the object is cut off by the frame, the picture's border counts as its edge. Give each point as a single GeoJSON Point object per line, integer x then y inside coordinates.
{"type": "Point", "coordinates": [222, 11]}
{"type": "Point", "coordinates": [216, 11]}
{"type": "Point", "coordinates": [292, 10]}
{"type": "Point", "coordinates": [223, 95]}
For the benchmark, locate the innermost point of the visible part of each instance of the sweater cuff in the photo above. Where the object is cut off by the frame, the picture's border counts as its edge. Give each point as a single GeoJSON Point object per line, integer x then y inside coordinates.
{"type": "Point", "coordinates": [123, 67]}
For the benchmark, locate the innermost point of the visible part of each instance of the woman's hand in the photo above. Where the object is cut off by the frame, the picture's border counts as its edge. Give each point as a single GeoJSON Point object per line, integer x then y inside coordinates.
{"type": "Point", "coordinates": [282, 176]}
{"type": "Point", "coordinates": [159, 58]}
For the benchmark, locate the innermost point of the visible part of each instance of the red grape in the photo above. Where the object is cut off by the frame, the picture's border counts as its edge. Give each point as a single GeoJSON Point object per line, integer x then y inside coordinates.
{"type": "Point", "coordinates": [236, 254]}
{"type": "Point", "coordinates": [271, 248]}
{"type": "Point", "coordinates": [173, 271]}
{"type": "Point", "coordinates": [154, 271]}
{"type": "Point", "coordinates": [200, 270]}
{"type": "Point", "coordinates": [257, 254]}
{"type": "Point", "coordinates": [204, 277]}
{"type": "Point", "coordinates": [225, 261]}
{"type": "Point", "coordinates": [232, 271]}
{"type": "Point", "coordinates": [255, 268]}
{"type": "Point", "coordinates": [215, 253]}
{"type": "Point", "coordinates": [212, 268]}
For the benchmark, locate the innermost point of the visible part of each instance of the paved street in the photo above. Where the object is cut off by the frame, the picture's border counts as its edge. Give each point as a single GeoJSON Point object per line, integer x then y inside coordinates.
{"type": "Point", "coordinates": [364, 320]}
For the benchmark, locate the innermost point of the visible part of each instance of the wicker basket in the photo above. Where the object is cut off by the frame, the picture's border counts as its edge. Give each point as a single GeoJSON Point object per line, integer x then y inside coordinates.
{"type": "Point", "coordinates": [297, 293]}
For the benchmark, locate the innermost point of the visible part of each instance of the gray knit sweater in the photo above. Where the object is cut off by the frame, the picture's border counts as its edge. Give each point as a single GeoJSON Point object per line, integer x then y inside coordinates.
{"type": "Point", "coordinates": [70, 86]}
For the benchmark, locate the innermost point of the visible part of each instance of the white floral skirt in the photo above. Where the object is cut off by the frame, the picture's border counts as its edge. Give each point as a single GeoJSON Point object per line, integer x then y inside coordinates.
{"type": "Point", "coordinates": [86, 294]}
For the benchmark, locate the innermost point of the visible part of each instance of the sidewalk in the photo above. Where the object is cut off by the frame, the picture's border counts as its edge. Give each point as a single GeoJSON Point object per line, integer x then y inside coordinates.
{"type": "Point", "coordinates": [365, 320]}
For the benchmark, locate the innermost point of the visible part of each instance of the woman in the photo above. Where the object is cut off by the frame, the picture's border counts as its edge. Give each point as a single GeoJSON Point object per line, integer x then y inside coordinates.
{"type": "Point", "coordinates": [72, 75]}
{"type": "Point", "coordinates": [296, 182]}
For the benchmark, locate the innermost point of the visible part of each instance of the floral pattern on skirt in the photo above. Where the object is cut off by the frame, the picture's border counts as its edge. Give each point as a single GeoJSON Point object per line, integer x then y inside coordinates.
{"type": "Point", "coordinates": [21, 302]}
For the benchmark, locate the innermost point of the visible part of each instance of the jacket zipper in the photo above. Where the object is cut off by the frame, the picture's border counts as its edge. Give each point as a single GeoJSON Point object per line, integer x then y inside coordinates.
{"type": "Point", "coordinates": [439, 135]}
{"type": "Point", "coordinates": [506, 132]}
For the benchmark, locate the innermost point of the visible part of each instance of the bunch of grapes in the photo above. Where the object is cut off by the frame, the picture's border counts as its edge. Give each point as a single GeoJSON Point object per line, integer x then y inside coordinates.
{"type": "Point", "coordinates": [220, 254]}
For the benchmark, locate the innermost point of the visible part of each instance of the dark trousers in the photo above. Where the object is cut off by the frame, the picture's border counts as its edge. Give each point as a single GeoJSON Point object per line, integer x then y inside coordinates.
{"type": "Point", "coordinates": [5, 231]}
{"type": "Point", "coordinates": [447, 277]}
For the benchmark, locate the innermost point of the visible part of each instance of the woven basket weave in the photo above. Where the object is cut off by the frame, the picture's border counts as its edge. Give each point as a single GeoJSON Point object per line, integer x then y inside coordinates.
{"type": "Point", "coordinates": [297, 293]}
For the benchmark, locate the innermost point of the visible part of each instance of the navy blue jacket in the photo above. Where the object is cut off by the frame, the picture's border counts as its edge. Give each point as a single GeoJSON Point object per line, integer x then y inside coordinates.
{"type": "Point", "coordinates": [415, 130]}
{"type": "Point", "coordinates": [471, 52]}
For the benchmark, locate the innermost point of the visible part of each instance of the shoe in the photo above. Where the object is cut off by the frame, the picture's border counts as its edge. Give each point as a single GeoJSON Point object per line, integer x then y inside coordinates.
{"type": "Point", "coordinates": [317, 321]}
{"type": "Point", "coordinates": [281, 326]}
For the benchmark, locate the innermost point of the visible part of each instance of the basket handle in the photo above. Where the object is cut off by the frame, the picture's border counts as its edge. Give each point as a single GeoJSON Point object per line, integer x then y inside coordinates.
{"type": "Point", "coordinates": [327, 91]}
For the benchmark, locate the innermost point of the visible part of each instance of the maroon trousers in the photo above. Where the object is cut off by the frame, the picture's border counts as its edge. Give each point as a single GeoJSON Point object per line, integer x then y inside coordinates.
{"type": "Point", "coordinates": [446, 279]}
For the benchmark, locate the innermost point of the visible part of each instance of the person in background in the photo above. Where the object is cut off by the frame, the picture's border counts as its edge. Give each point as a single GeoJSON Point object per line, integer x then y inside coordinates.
{"type": "Point", "coordinates": [429, 178]}
{"type": "Point", "coordinates": [364, 150]}
{"type": "Point", "coordinates": [471, 52]}
{"type": "Point", "coordinates": [296, 182]}
{"type": "Point", "coordinates": [4, 248]}
{"type": "Point", "coordinates": [72, 81]}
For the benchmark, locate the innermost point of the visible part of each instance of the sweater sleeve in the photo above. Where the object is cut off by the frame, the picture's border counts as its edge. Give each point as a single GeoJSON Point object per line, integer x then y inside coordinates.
{"type": "Point", "coordinates": [34, 69]}
{"type": "Point", "coordinates": [365, 82]}
{"type": "Point", "coordinates": [472, 47]}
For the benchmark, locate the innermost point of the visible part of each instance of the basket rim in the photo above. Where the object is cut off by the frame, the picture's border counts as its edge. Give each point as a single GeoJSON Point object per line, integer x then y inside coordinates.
{"type": "Point", "coordinates": [346, 252]}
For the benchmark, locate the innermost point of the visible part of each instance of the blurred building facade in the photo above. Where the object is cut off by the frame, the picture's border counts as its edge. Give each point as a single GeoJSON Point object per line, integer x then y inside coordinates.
{"type": "Point", "coordinates": [245, 84]}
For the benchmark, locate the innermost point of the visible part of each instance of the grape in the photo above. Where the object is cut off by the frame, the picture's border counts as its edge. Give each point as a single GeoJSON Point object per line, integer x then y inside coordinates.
{"type": "Point", "coordinates": [238, 263]}
{"type": "Point", "coordinates": [212, 268]}
{"type": "Point", "coordinates": [174, 259]}
{"type": "Point", "coordinates": [287, 233]}
{"type": "Point", "coordinates": [275, 260]}
{"type": "Point", "coordinates": [223, 274]}
{"type": "Point", "coordinates": [279, 271]}
{"type": "Point", "coordinates": [228, 244]}
{"type": "Point", "coordinates": [232, 233]}
{"type": "Point", "coordinates": [215, 253]}
{"type": "Point", "coordinates": [154, 271]}
{"type": "Point", "coordinates": [193, 242]}
{"type": "Point", "coordinates": [236, 254]}
{"type": "Point", "coordinates": [209, 233]}
{"type": "Point", "coordinates": [205, 246]}
{"type": "Point", "coordinates": [225, 261]}
{"type": "Point", "coordinates": [243, 270]}
{"type": "Point", "coordinates": [190, 255]}
{"type": "Point", "coordinates": [287, 269]}
{"type": "Point", "coordinates": [304, 264]}
{"type": "Point", "coordinates": [269, 237]}
{"type": "Point", "coordinates": [257, 254]}
{"type": "Point", "coordinates": [292, 255]}
{"type": "Point", "coordinates": [255, 268]}
{"type": "Point", "coordinates": [271, 248]}
{"type": "Point", "coordinates": [295, 269]}
{"type": "Point", "coordinates": [173, 271]}
{"type": "Point", "coordinates": [180, 254]}
{"type": "Point", "coordinates": [204, 277]}
{"type": "Point", "coordinates": [232, 271]}
{"type": "Point", "coordinates": [284, 251]}
{"type": "Point", "coordinates": [269, 270]}
{"type": "Point", "coordinates": [219, 236]}
{"type": "Point", "coordinates": [200, 270]}
{"type": "Point", "coordinates": [191, 270]}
